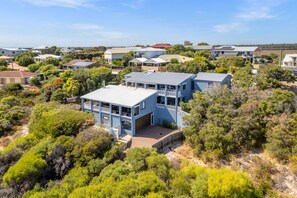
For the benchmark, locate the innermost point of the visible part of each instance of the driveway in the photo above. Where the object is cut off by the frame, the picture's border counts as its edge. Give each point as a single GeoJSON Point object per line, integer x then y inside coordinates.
{"type": "Point", "coordinates": [149, 136]}
{"type": "Point", "coordinates": [14, 65]}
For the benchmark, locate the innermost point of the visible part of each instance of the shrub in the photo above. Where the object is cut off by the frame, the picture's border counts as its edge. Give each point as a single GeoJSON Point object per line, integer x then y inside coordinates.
{"type": "Point", "coordinates": [169, 125]}
{"type": "Point", "coordinates": [34, 67]}
{"type": "Point", "coordinates": [59, 122]}
{"type": "Point", "coordinates": [35, 81]}
{"type": "Point", "coordinates": [13, 87]}
{"type": "Point", "coordinates": [59, 96]}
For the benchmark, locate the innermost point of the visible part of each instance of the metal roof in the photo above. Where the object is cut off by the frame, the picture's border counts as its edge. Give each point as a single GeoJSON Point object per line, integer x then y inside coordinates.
{"type": "Point", "coordinates": [202, 47]}
{"type": "Point", "coordinates": [156, 60]}
{"type": "Point", "coordinates": [118, 50]}
{"type": "Point", "coordinates": [167, 78]}
{"type": "Point", "coordinates": [120, 95]}
{"type": "Point", "coordinates": [45, 56]}
{"type": "Point", "coordinates": [138, 60]}
{"type": "Point", "coordinates": [82, 64]}
{"type": "Point", "coordinates": [212, 77]}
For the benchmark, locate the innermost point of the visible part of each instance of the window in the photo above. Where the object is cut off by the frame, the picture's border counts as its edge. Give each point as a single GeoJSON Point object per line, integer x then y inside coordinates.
{"type": "Point", "coordinates": [126, 111]}
{"type": "Point", "coordinates": [161, 100]}
{"type": "Point", "coordinates": [115, 109]}
{"type": "Point", "coordinates": [171, 88]}
{"type": "Point", "coordinates": [192, 85]}
{"type": "Point", "coordinates": [184, 86]}
{"type": "Point", "coordinates": [143, 105]}
{"type": "Point", "coordinates": [161, 87]}
{"type": "Point", "coordinates": [170, 101]}
{"type": "Point", "coordinates": [104, 119]}
{"type": "Point", "coordinates": [136, 110]}
{"type": "Point", "coordinates": [126, 125]}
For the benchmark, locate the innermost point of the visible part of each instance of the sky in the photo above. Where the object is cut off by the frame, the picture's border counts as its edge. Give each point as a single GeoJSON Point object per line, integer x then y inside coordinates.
{"type": "Point", "coordinates": [87, 23]}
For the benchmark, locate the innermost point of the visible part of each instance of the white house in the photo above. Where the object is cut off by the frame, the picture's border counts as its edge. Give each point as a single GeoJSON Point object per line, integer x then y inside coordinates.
{"type": "Point", "coordinates": [290, 60]}
{"type": "Point", "coordinates": [39, 49]}
{"type": "Point", "coordinates": [115, 54]}
{"type": "Point", "coordinates": [12, 51]}
{"type": "Point", "coordinates": [118, 53]}
{"type": "Point", "coordinates": [248, 53]}
{"type": "Point", "coordinates": [45, 56]}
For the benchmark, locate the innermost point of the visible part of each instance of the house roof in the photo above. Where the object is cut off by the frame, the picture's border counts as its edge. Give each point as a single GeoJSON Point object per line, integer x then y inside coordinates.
{"type": "Point", "coordinates": [41, 47]}
{"type": "Point", "coordinates": [213, 77]}
{"type": "Point", "coordinates": [14, 49]}
{"type": "Point", "coordinates": [82, 64]}
{"type": "Point", "coordinates": [149, 49]}
{"type": "Point", "coordinates": [120, 95]}
{"type": "Point", "coordinates": [118, 50]}
{"type": "Point", "coordinates": [180, 58]}
{"type": "Point", "coordinates": [288, 57]}
{"type": "Point", "coordinates": [16, 74]}
{"type": "Point", "coordinates": [167, 78]}
{"type": "Point", "coordinates": [45, 56]}
{"type": "Point", "coordinates": [138, 60]}
{"type": "Point", "coordinates": [237, 49]}
{"type": "Point", "coordinates": [161, 45]}
{"type": "Point", "coordinates": [5, 57]}
{"type": "Point", "coordinates": [202, 47]}
{"type": "Point", "coordinates": [156, 60]}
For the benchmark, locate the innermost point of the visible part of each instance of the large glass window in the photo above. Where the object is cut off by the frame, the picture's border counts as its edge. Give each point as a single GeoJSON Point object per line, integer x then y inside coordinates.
{"type": "Point", "coordinates": [161, 87]}
{"type": "Point", "coordinates": [126, 125]}
{"type": "Point", "coordinates": [170, 101]}
{"type": "Point", "coordinates": [150, 86]}
{"type": "Point", "coordinates": [171, 88]}
{"type": "Point", "coordinates": [161, 100]}
{"type": "Point", "coordinates": [126, 111]}
{"type": "Point", "coordinates": [184, 86]}
{"type": "Point", "coordinates": [115, 109]}
{"type": "Point", "coordinates": [136, 110]}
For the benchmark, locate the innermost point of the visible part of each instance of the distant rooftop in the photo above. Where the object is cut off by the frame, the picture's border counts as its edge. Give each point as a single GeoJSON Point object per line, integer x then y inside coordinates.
{"type": "Point", "coordinates": [167, 78]}
{"type": "Point", "coordinates": [202, 47]}
{"type": "Point", "coordinates": [161, 45]}
{"type": "Point", "coordinates": [120, 95]}
{"type": "Point", "coordinates": [118, 50]}
{"type": "Point", "coordinates": [238, 49]}
{"type": "Point", "coordinates": [213, 77]}
{"type": "Point", "coordinates": [16, 74]}
{"type": "Point", "coordinates": [45, 56]}
{"type": "Point", "coordinates": [82, 64]}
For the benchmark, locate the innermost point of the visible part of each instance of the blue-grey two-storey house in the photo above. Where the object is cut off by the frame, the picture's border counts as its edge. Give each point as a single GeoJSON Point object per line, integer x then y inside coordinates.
{"type": "Point", "coordinates": [147, 98]}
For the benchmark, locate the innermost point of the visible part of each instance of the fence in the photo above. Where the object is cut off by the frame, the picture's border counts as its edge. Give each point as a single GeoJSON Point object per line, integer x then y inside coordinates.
{"type": "Point", "coordinates": [170, 139]}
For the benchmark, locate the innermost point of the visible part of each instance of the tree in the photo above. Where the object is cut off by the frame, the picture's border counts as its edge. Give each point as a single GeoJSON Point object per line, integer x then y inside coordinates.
{"type": "Point", "coordinates": [127, 57]}
{"type": "Point", "coordinates": [33, 67]}
{"type": "Point", "coordinates": [3, 62]}
{"type": "Point", "coordinates": [25, 59]}
{"type": "Point", "coordinates": [52, 61]}
{"type": "Point", "coordinates": [71, 87]}
{"type": "Point", "coordinates": [230, 63]}
{"type": "Point", "coordinates": [203, 53]}
{"type": "Point", "coordinates": [188, 43]}
{"type": "Point", "coordinates": [35, 81]}
{"type": "Point", "coordinates": [59, 96]}
{"type": "Point", "coordinates": [13, 87]}
{"type": "Point", "coordinates": [203, 43]}
{"type": "Point", "coordinates": [271, 77]}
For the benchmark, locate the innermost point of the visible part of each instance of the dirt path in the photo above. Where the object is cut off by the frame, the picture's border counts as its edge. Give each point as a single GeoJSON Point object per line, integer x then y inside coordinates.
{"type": "Point", "coordinates": [22, 132]}
{"type": "Point", "coordinates": [14, 65]}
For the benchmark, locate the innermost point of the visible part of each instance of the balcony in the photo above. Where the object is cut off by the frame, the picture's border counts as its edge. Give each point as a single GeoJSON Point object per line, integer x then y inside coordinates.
{"type": "Point", "coordinates": [161, 92]}
{"type": "Point", "coordinates": [105, 109]}
{"type": "Point", "coordinates": [87, 105]}
{"type": "Point", "coordinates": [171, 93]}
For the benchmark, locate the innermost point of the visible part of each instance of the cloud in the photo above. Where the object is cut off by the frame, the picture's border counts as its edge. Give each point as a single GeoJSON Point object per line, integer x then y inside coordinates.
{"type": "Point", "coordinates": [84, 26]}
{"type": "Point", "coordinates": [61, 3]}
{"type": "Point", "coordinates": [232, 27]}
{"type": "Point", "coordinates": [135, 4]}
{"type": "Point", "coordinates": [257, 14]}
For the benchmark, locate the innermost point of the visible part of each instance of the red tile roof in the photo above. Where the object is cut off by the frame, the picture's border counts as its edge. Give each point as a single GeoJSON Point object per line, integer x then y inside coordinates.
{"type": "Point", "coordinates": [16, 74]}
{"type": "Point", "coordinates": [161, 45]}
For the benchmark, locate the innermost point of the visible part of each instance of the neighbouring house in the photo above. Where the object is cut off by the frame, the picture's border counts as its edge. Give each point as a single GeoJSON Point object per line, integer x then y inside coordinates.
{"type": "Point", "coordinates": [79, 64]}
{"type": "Point", "coordinates": [204, 80]}
{"type": "Point", "coordinates": [161, 45]}
{"type": "Point", "coordinates": [43, 57]}
{"type": "Point", "coordinates": [118, 53]}
{"type": "Point", "coordinates": [7, 58]}
{"type": "Point", "coordinates": [115, 54]}
{"type": "Point", "coordinates": [290, 60]}
{"type": "Point", "coordinates": [247, 53]}
{"type": "Point", "coordinates": [202, 47]}
{"type": "Point", "coordinates": [68, 50]}
{"type": "Point", "coordinates": [40, 49]}
{"type": "Point", "coordinates": [12, 52]}
{"type": "Point", "coordinates": [148, 52]}
{"type": "Point", "coordinates": [21, 77]}
{"type": "Point", "coordinates": [147, 98]}
{"type": "Point", "coordinates": [180, 58]}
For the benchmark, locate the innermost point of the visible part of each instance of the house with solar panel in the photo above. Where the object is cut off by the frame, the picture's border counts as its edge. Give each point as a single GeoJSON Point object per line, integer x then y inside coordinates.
{"type": "Point", "coordinates": [147, 98]}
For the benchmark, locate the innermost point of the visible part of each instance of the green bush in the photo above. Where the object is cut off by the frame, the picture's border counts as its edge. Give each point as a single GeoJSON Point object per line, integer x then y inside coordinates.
{"type": "Point", "coordinates": [59, 122]}
{"type": "Point", "coordinates": [34, 67]}
{"type": "Point", "coordinates": [169, 125]}
{"type": "Point", "coordinates": [13, 87]}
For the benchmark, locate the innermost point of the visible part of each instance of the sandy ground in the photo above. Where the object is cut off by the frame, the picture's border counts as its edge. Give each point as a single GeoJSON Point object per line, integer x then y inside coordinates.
{"type": "Point", "coordinates": [14, 65]}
